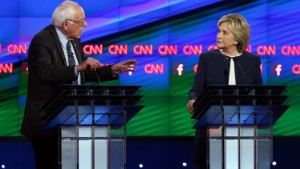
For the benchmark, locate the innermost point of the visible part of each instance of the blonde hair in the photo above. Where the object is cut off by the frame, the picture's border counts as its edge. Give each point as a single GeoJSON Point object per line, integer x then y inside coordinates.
{"type": "Point", "coordinates": [239, 27]}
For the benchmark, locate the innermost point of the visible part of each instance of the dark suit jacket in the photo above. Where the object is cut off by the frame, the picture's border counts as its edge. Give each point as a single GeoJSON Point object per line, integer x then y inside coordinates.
{"type": "Point", "coordinates": [213, 69]}
{"type": "Point", "coordinates": [48, 73]}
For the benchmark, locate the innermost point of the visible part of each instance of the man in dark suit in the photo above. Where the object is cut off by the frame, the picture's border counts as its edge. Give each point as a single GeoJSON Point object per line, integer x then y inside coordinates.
{"type": "Point", "coordinates": [56, 58]}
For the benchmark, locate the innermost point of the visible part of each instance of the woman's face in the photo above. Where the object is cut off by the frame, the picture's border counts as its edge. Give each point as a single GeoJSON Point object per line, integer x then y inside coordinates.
{"type": "Point", "coordinates": [225, 38]}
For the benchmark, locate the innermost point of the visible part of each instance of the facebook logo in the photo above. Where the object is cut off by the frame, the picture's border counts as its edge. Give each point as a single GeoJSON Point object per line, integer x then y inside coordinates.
{"type": "Point", "coordinates": [277, 69]}
{"type": "Point", "coordinates": [178, 69]}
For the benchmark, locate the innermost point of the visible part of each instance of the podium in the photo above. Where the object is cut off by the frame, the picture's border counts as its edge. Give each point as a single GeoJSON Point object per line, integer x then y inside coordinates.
{"type": "Point", "coordinates": [238, 121]}
{"type": "Point", "coordinates": [92, 123]}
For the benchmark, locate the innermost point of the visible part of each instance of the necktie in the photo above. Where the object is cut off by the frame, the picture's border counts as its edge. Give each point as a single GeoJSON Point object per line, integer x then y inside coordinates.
{"type": "Point", "coordinates": [71, 58]}
{"type": "Point", "coordinates": [231, 73]}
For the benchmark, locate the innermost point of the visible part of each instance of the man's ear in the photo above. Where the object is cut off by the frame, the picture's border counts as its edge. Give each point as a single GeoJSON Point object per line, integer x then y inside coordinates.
{"type": "Point", "coordinates": [65, 25]}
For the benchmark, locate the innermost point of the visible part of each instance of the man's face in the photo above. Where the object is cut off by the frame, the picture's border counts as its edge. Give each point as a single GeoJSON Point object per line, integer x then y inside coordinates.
{"type": "Point", "coordinates": [77, 24]}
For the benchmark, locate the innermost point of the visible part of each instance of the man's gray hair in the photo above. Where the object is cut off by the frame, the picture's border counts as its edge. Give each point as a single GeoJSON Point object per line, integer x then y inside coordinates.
{"type": "Point", "coordinates": [64, 12]}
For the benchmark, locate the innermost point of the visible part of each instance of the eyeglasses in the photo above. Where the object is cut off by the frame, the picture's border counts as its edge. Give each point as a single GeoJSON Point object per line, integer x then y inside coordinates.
{"type": "Point", "coordinates": [81, 22]}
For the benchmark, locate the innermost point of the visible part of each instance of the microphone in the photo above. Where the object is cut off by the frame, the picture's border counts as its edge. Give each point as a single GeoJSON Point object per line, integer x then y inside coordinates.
{"type": "Point", "coordinates": [226, 70]}
{"type": "Point", "coordinates": [226, 74]}
{"type": "Point", "coordinates": [98, 78]}
{"type": "Point", "coordinates": [236, 59]}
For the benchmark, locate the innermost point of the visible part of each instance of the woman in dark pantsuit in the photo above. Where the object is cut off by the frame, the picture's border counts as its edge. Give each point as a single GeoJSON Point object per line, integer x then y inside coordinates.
{"type": "Point", "coordinates": [230, 64]}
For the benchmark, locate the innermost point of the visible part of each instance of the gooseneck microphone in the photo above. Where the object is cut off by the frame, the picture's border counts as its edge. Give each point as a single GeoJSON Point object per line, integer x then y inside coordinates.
{"type": "Point", "coordinates": [226, 74]}
{"type": "Point", "coordinates": [226, 70]}
{"type": "Point", "coordinates": [236, 59]}
{"type": "Point", "coordinates": [98, 77]}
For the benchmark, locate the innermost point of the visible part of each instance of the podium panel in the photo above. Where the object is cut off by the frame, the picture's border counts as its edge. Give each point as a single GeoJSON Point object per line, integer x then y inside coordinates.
{"type": "Point", "coordinates": [240, 148]}
{"type": "Point", "coordinates": [92, 123]}
{"type": "Point", "coordinates": [239, 121]}
{"type": "Point", "coordinates": [97, 148]}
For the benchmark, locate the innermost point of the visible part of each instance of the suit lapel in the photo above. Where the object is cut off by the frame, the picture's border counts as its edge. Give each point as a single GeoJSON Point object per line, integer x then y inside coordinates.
{"type": "Point", "coordinates": [58, 45]}
{"type": "Point", "coordinates": [76, 48]}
